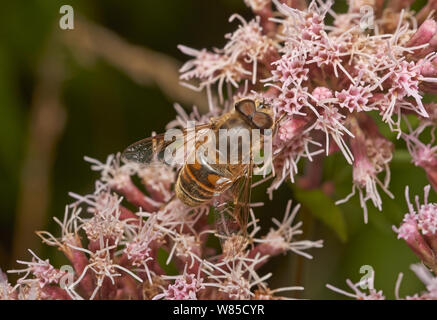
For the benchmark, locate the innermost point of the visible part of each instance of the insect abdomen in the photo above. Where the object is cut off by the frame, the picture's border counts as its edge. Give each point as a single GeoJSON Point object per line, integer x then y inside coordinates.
{"type": "Point", "coordinates": [198, 184]}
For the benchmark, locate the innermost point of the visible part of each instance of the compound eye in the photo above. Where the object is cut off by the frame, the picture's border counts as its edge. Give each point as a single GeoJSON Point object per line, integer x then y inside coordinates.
{"type": "Point", "coordinates": [246, 107]}
{"type": "Point", "coordinates": [262, 120]}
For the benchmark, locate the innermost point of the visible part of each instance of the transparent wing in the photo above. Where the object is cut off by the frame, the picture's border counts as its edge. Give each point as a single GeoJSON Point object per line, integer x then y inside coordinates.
{"type": "Point", "coordinates": [233, 208]}
{"type": "Point", "coordinates": [167, 147]}
{"type": "Point", "coordinates": [242, 204]}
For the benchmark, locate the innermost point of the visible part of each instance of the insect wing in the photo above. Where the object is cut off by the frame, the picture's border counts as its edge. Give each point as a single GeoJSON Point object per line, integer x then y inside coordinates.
{"type": "Point", "coordinates": [233, 209]}
{"type": "Point", "coordinates": [242, 204]}
{"type": "Point", "coordinates": [171, 147]}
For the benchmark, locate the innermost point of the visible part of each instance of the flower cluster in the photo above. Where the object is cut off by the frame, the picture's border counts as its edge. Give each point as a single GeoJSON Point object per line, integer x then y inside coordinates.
{"type": "Point", "coordinates": [419, 230]}
{"type": "Point", "coordinates": [332, 86]}
{"type": "Point", "coordinates": [114, 239]}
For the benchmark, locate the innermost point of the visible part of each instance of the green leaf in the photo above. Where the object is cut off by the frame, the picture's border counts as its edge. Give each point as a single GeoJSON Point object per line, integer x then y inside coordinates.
{"type": "Point", "coordinates": [324, 209]}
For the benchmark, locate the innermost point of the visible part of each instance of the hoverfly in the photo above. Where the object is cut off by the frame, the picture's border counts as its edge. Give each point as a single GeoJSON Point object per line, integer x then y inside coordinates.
{"type": "Point", "coordinates": [202, 180]}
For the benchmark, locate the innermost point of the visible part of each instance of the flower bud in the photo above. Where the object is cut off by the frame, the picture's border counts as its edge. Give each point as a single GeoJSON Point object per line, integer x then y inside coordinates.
{"type": "Point", "coordinates": [409, 231]}
{"type": "Point", "coordinates": [424, 34]}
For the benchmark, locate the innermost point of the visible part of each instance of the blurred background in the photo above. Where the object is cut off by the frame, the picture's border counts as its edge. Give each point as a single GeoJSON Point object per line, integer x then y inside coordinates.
{"type": "Point", "coordinates": [113, 80]}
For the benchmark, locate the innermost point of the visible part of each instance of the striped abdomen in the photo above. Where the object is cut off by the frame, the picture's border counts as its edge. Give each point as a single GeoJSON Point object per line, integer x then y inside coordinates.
{"type": "Point", "coordinates": [204, 179]}
{"type": "Point", "coordinates": [198, 183]}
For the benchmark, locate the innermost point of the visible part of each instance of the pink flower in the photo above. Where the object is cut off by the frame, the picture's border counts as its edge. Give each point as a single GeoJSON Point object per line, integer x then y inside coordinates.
{"type": "Point", "coordinates": [428, 68]}
{"type": "Point", "coordinates": [184, 288]}
{"type": "Point", "coordinates": [211, 68]}
{"type": "Point", "coordinates": [257, 5]}
{"type": "Point", "coordinates": [418, 229]}
{"type": "Point", "coordinates": [355, 98]}
{"type": "Point", "coordinates": [290, 128]}
{"type": "Point", "coordinates": [357, 294]}
{"type": "Point", "coordinates": [366, 170]}
{"type": "Point", "coordinates": [423, 155]}
{"type": "Point", "coordinates": [249, 45]}
{"type": "Point", "coordinates": [424, 34]}
{"type": "Point", "coordinates": [322, 93]}
{"type": "Point", "coordinates": [404, 82]}
{"type": "Point", "coordinates": [41, 269]}
{"type": "Point", "coordinates": [289, 70]}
